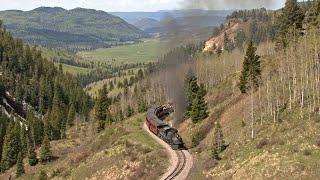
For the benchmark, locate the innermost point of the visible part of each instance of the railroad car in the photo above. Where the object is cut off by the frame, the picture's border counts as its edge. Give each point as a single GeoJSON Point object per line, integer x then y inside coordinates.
{"type": "Point", "coordinates": [156, 125]}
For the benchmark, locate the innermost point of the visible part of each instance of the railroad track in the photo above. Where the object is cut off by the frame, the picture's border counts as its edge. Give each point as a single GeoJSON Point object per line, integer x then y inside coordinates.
{"type": "Point", "coordinates": [179, 167]}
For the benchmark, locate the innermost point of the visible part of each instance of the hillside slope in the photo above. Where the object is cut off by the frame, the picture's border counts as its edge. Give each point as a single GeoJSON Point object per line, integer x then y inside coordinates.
{"type": "Point", "coordinates": [74, 29]}
{"type": "Point", "coordinates": [124, 151]}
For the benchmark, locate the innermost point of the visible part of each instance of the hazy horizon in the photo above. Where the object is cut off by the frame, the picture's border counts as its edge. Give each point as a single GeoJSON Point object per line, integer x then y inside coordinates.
{"type": "Point", "coordinates": [141, 6]}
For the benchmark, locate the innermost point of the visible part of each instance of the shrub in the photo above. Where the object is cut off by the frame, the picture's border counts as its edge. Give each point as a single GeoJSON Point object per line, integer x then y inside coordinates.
{"type": "Point", "coordinates": [55, 173]}
{"type": "Point", "coordinates": [43, 175]}
{"type": "Point", "coordinates": [263, 142]}
{"type": "Point", "coordinates": [243, 124]}
{"type": "Point", "coordinates": [145, 150]}
{"type": "Point", "coordinates": [197, 137]}
{"type": "Point", "coordinates": [277, 141]}
{"type": "Point", "coordinates": [307, 152]}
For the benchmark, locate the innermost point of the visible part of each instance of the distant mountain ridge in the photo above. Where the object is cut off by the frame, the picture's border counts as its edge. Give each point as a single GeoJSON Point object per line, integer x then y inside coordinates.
{"type": "Point", "coordinates": [74, 29]}
{"type": "Point", "coordinates": [134, 17]}
{"type": "Point", "coordinates": [157, 22]}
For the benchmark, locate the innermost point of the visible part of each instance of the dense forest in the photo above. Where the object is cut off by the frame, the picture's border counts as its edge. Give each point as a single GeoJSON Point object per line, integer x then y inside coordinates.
{"type": "Point", "coordinates": [47, 96]}
{"type": "Point", "coordinates": [73, 30]}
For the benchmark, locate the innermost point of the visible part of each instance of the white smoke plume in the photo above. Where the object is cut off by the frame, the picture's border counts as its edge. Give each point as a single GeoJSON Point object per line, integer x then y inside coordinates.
{"type": "Point", "coordinates": [231, 4]}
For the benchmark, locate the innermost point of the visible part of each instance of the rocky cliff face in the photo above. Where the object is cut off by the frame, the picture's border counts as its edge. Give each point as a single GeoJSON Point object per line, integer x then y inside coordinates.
{"type": "Point", "coordinates": [231, 27]}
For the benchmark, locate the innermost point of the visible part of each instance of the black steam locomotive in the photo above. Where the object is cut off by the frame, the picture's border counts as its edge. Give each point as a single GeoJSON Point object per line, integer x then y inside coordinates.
{"type": "Point", "coordinates": [155, 123]}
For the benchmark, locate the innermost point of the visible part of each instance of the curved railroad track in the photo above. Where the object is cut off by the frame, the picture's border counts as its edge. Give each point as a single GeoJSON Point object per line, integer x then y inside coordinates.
{"type": "Point", "coordinates": [181, 161]}
{"type": "Point", "coordinates": [179, 167]}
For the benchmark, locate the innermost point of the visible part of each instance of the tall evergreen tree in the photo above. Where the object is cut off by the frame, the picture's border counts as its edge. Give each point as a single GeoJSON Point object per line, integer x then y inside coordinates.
{"type": "Point", "coordinates": [215, 154]}
{"type": "Point", "coordinates": [140, 74]}
{"type": "Point", "coordinates": [313, 14]}
{"type": "Point", "coordinates": [199, 106]}
{"type": "Point", "coordinates": [142, 105]}
{"type": "Point", "coordinates": [57, 114]}
{"type": "Point", "coordinates": [71, 115]}
{"type": "Point", "coordinates": [219, 143]}
{"type": "Point", "coordinates": [3, 128]}
{"type": "Point", "coordinates": [240, 39]}
{"type": "Point", "coordinates": [32, 156]}
{"type": "Point", "coordinates": [120, 115]}
{"type": "Point", "coordinates": [130, 111]}
{"type": "Point", "coordinates": [6, 149]}
{"type": "Point", "coordinates": [289, 23]}
{"type": "Point", "coordinates": [219, 51]}
{"type": "Point", "coordinates": [227, 43]}
{"type": "Point", "coordinates": [109, 118]}
{"type": "Point", "coordinates": [36, 127]}
{"type": "Point", "coordinates": [23, 141]}
{"type": "Point", "coordinates": [251, 70]}
{"type": "Point", "coordinates": [101, 108]}
{"type": "Point", "coordinates": [11, 146]}
{"type": "Point", "coordinates": [192, 87]}
{"type": "Point", "coordinates": [45, 152]}
{"type": "Point", "coordinates": [20, 166]}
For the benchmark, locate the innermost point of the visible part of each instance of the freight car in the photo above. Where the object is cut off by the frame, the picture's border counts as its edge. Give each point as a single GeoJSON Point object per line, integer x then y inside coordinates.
{"type": "Point", "coordinates": [156, 125]}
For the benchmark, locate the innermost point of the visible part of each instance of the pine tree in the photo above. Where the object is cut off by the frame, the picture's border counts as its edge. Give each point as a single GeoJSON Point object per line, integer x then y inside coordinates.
{"type": "Point", "coordinates": [42, 175]}
{"type": "Point", "coordinates": [140, 74]}
{"type": "Point", "coordinates": [227, 43]}
{"type": "Point", "coordinates": [130, 111]}
{"type": "Point", "coordinates": [219, 51]}
{"type": "Point", "coordinates": [240, 39]}
{"type": "Point", "coordinates": [47, 130]}
{"type": "Point", "coordinates": [57, 114]}
{"type": "Point", "coordinates": [45, 152]}
{"type": "Point", "coordinates": [199, 106]}
{"type": "Point", "coordinates": [191, 91]}
{"type": "Point", "coordinates": [219, 143]}
{"type": "Point", "coordinates": [71, 115]}
{"type": "Point", "coordinates": [11, 146]}
{"type": "Point", "coordinates": [215, 154]}
{"type": "Point", "coordinates": [3, 128]}
{"type": "Point", "coordinates": [120, 116]}
{"type": "Point", "coordinates": [109, 119]}
{"type": "Point", "coordinates": [289, 24]}
{"type": "Point", "coordinates": [101, 108]}
{"type": "Point", "coordinates": [313, 13]}
{"type": "Point", "coordinates": [43, 101]}
{"type": "Point", "coordinates": [32, 156]}
{"type": "Point", "coordinates": [111, 86]}
{"type": "Point", "coordinates": [36, 126]}
{"type": "Point", "coordinates": [23, 140]}
{"type": "Point", "coordinates": [20, 166]}
{"type": "Point", "coordinates": [251, 70]}
{"type": "Point", "coordinates": [142, 106]}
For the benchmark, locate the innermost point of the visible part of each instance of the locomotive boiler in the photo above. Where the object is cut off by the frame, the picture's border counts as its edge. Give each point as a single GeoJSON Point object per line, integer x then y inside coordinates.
{"type": "Point", "coordinates": [155, 122]}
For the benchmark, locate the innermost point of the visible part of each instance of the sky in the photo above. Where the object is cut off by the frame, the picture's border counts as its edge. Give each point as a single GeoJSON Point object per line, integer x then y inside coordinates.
{"type": "Point", "coordinates": [138, 5]}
